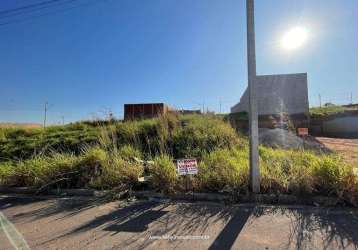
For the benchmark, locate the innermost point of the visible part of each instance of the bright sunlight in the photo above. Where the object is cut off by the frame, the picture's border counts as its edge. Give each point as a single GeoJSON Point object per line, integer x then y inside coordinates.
{"type": "Point", "coordinates": [294, 38]}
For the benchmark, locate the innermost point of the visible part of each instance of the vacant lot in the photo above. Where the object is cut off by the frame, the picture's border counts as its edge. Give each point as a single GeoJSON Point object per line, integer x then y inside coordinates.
{"type": "Point", "coordinates": [348, 148]}
{"type": "Point", "coordinates": [105, 156]}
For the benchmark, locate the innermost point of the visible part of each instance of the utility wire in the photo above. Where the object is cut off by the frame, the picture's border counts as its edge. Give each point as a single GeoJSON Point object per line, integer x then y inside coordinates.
{"type": "Point", "coordinates": [24, 10]}
{"type": "Point", "coordinates": [28, 6]}
{"type": "Point", "coordinates": [51, 12]}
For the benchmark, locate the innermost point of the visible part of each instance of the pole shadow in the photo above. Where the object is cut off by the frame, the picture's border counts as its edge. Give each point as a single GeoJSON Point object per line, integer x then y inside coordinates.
{"type": "Point", "coordinates": [231, 231]}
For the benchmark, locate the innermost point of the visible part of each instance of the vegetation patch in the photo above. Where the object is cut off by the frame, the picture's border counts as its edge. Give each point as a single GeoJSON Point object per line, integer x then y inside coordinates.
{"type": "Point", "coordinates": [331, 109]}
{"type": "Point", "coordinates": [111, 155]}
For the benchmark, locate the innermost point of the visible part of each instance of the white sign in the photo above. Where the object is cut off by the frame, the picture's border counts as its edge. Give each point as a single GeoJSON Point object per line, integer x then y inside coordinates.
{"type": "Point", "coordinates": [187, 166]}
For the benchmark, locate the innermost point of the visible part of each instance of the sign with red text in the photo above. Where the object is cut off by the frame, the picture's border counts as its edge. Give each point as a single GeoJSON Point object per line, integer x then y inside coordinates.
{"type": "Point", "coordinates": [187, 166]}
{"type": "Point", "coordinates": [302, 131]}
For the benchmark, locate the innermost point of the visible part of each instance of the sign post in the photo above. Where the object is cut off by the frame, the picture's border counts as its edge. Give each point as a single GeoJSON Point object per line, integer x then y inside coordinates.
{"type": "Point", "coordinates": [187, 167]}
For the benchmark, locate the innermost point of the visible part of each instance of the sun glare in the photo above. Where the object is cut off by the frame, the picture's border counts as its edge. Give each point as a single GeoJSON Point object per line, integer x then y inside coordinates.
{"type": "Point", "coordinates": [294, 38]}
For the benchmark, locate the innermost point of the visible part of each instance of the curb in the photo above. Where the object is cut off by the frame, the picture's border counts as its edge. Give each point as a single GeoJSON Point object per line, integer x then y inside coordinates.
{"type": "Point", "coordinates": [60, 192]}
{"type": "Point", "coordinates": [272, 199]}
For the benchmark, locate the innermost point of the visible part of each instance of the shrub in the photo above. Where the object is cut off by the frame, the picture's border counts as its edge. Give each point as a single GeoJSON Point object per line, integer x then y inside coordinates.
{"type": "Point", "coordinates": [41, 170]}
{"type": "Point", "coordinates": [118, 172]}
{"type": "Point", "coordinates": [140, 134]}
{"type": "Point", "coordinates": [330, 175]}
{"type": "Point", "coordinates": [164, 176]}
{"type": "Point", "coordinates": [303, 172]}
{"type": "Point", "coordinates": [95, 156]}
{"type": "Point", "coordinates": [128, 152]}
{"type": "Point", "coordinates": [6, 172]}
{"type": "Point", "coordinates": [199, 135]}
{"type": "Point", "coordinates": [274, 170]}
{"type": "Point", "coordinates": [224, 169]}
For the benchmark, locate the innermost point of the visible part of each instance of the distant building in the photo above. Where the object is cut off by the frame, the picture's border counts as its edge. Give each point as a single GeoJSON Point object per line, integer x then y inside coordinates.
{"type": "Point", "coordinates": [279, 94]}
{"type": "Point", "coordinates": [145, 110]}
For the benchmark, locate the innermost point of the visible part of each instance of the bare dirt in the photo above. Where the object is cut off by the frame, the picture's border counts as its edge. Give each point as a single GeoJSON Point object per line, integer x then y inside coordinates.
{"type": "Point", "coordinates": [348, 148]}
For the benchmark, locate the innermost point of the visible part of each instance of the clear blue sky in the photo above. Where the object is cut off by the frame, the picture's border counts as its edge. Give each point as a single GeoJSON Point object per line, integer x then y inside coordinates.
{"type": "Point", "coordinates": [183, 52]}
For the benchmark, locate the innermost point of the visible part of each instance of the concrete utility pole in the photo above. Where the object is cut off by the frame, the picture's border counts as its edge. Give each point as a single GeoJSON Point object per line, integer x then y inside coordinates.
{"type": "Point", "coordinates": [320, 102]}
{"type": "Point", "coordinates": [46, 103]}
{"type": "Point", "coordinates": [253, 110]}
{"type": "Point", "coordinates": [220, 106]}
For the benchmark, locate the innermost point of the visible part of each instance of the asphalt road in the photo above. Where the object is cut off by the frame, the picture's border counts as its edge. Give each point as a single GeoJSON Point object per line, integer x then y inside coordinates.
{"type": "Point", "coordinates": [75, 223]}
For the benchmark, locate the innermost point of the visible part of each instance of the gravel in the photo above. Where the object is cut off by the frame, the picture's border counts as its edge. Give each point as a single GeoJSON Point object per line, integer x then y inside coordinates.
{"type": "Point", "coordinates": [281, 138]}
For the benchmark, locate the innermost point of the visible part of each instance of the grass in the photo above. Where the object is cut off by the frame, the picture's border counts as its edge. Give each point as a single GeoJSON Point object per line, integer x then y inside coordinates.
{"type": "Point", "coordinates": [163, 173]}
{"type": "Point", "coordinates": [24, 143]}
{"type": "Point", "coordinates": [106, 156]}
{"type": "Point", "coordinates": [282, 171]}
{"type": "Point", "coordinates": [175, 135]}
{"type": "Point", "coordinates": [321, 112]}
{"type": "Point", "coordinates": [19, 125]}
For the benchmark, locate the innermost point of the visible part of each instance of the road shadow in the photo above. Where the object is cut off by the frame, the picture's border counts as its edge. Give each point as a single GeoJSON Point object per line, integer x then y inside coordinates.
{"type": "Point", "coordinates": [137, 224]}
{"type": "Point", "coordinates": [227, 237]}
{"type": "Point", "coordinates": [336, 227]}
{"type": "Point", "coordinates": [137, 209]}
{"type": "Point", "coordinates": [14, 201]}
{"type": "Point", "coordinates": [178, 219]}
{"type": "Point", "coordinates": [43, 207]}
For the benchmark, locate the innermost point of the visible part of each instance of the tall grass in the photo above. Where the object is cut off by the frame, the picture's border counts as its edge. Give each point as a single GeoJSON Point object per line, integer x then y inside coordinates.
{"type": "Point", "coordinates": [223, 170]}
{"type": "Point", "coordinates": [164, 176]}
{"type": "Point", "coordinates": [282, 171]}
{"type": "Point", "coordinates": [106, 156]}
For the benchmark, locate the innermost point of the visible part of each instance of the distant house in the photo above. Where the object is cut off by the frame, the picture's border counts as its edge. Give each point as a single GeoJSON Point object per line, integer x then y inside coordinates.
{"type": "Point", "coordinates": [279, 94]}
{"type": "Point", "coordinates": [145, 110]}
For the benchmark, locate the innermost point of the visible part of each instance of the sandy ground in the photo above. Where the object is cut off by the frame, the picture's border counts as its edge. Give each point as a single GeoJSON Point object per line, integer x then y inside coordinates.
{"type": "Point", "coordinates": [86, 224]}
{"type": "Point", "coordinates": [348, 148]}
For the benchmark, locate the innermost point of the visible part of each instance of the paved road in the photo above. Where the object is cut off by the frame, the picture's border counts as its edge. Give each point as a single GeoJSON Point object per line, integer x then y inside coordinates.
{"type": "Point", "coordinates": [87, 224]}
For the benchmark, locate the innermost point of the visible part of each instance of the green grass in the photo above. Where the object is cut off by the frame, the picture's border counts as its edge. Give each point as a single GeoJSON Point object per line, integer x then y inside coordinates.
{"type": "Point", "coordinates": [282, 171]}
{"type": "Point", "coordinates": [321, 112]}
{"type": "Point", "coordinates": [175, 135]}
{"type": "Point", "coordinates": [16, 144]}
{"type": "Point", "coordinates": [105, 156]}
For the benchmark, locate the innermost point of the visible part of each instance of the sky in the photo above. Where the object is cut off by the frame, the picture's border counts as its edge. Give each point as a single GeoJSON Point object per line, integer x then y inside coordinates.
{"type": "Point", "coordinates": [88, 57]}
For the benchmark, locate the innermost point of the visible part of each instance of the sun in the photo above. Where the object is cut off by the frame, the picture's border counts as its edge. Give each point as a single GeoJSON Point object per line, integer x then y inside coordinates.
{"type": "Point", "coordinates": [294, 38]}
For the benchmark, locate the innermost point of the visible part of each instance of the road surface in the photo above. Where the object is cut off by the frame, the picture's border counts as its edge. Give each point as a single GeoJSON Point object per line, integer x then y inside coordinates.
{"type": "Point", "coordinates": [76, 223]}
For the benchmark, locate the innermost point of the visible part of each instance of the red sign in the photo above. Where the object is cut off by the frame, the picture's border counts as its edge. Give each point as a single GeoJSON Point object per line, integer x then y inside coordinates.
{"type": "Point", "coordinates": [187, 166]}
{"type": "Point", "coordinates": [302, 131]}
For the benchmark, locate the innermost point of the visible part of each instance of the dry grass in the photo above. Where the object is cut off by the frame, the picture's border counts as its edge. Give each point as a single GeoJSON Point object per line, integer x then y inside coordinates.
{"type": "Point", "coordinates": [19, 125]}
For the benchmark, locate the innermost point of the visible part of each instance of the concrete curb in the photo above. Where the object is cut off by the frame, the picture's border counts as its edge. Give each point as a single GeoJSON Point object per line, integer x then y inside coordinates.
{"type": "Point", "coordinates": [282, 199]}
{"type": "Point", "coordinates": [60, 192]}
